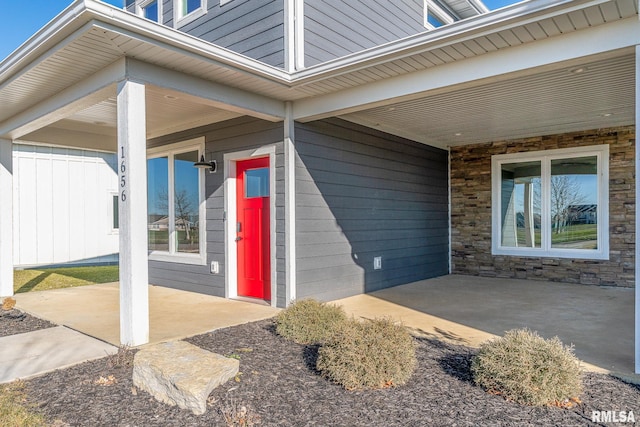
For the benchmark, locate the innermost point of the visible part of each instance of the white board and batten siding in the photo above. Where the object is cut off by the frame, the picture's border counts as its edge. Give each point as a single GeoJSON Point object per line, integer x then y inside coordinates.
{"type": "Point", "coordinates": [63, 206]}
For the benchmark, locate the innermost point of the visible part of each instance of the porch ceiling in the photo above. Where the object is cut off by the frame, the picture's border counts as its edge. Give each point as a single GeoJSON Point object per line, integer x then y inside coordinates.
{"type": "Point", "coordinates": [95, 127]}
{"type": "Point", "coordinates": [592, 94]}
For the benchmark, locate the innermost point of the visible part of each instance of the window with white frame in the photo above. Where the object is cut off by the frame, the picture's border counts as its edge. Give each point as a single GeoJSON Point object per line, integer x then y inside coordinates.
{"type": "Point", "coordinates": [115, 212]}
{"type": "Point", "coordinates": [175, 203]}
{"type": "Point", "coordinates": [185, 11]}
{"type": "Point", "coordinates": [150, 9]}
{"type": "Point", "coordinates": [551, 203]}
{"type": "Point", "coordinates": [435, 16]}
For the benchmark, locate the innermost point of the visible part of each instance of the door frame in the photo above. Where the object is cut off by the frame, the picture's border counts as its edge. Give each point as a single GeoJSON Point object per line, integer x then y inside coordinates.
{"type": "Point", "coordinates": [231, 217]}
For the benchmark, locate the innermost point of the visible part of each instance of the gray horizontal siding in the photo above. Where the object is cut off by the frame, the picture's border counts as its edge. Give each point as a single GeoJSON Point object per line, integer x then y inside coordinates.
{"type": "Point", "coordinates": [361, 193]}
{"type": "Point", "coordinates": [252, 28]}
{"type": "Point", "coordinates": [334, 28]}
{"type": "Point", "coordinates": [230, 136]}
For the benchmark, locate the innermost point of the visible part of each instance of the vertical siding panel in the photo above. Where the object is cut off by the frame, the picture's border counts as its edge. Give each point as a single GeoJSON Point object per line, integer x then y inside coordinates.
{"type": "Point", "coordinates": [60, 211]}
{"type": "Point", "coordinates": [16, 206]}
{"type": "Point", "coordinates": [44, 224]}
{"type": "Point", "coordinates": [92, 213]}
{"type": "Point", "coordinates": [27, 209]}
{"type": "Point", "coordinates": [76, 208]}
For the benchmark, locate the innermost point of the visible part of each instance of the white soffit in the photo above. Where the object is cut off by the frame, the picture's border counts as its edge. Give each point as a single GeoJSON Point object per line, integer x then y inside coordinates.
{"type": "Point", "coordinates": [591, 95]}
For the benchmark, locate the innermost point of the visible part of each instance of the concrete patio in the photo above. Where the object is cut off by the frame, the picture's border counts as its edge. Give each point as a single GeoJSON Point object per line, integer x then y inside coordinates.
{"type": "Point", "coordinates": [598, 321]}
{"type": "Point", "coordinates": [461, 309]}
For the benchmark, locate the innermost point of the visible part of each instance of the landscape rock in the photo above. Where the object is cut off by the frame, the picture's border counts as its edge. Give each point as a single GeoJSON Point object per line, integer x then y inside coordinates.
{"type": "Point", "coordinates": [179, 373]}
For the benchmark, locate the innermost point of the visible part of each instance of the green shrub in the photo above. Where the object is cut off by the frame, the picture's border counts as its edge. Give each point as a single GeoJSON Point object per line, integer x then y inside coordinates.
{"type": "Point", "coordinates": [370, 354]}
{"type": "Point", "coordinates": [309, 321]}
{"type": "Point", "coordinates": [526, 368]}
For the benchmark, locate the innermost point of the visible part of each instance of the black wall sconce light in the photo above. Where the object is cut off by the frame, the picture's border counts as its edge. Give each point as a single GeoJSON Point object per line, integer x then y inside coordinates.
{"type": "Point", "coordinates": [212, 165]}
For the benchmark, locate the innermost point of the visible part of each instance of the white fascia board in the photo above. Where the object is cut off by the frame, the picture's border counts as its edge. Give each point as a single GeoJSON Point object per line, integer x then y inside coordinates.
{"type": "Point", "coordinates": [219, 95]}
{"type": "Point", "coordinates": [84, 94]}
{"type": "Point", "coordinates": [477, 70]}
{"type": "Point", "coordinates": [517, 15]}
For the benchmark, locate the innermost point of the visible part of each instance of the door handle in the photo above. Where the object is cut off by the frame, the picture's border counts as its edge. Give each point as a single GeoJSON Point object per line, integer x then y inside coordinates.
{"type": "Point", "coordinates": [238, 238]}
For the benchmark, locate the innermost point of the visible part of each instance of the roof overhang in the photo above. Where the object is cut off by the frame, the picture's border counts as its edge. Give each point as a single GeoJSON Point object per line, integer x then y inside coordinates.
{"type": "Point", "coordinates": [52, 76]}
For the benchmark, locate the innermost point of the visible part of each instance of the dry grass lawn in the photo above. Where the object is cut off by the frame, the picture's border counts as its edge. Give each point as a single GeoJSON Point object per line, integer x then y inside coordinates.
{"type": "Point", "coordinates": [57, 278]}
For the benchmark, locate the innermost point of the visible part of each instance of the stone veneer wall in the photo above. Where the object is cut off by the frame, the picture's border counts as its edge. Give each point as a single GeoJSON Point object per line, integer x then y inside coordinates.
{"type": "Point", "coordinates": [471, 212]}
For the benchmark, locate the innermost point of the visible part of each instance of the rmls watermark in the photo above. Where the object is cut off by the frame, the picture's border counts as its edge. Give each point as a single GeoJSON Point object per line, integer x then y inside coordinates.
{"type": "Point", "coordinates": [613, 417]}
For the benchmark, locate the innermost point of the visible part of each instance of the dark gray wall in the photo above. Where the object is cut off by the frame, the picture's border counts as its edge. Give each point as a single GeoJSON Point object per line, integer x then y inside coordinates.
{"type": "Point", "coordinates": [334, 28]}
{"type": "Point", "coordinates": [250, 27]}
{"type": "Point", "coordinates": [361, 193]}
{"type": "Point", "coordinates": [230, 136]}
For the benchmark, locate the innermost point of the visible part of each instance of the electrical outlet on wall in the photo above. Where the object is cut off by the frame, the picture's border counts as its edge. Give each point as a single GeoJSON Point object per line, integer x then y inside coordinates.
{"type": "Point", "coordinates": [377, 263]}
{"type": "Point", "coordinates": [215, 267]}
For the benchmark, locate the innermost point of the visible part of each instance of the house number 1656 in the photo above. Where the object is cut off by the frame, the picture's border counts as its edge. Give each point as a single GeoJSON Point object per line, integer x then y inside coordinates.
{"type": "Point", "coordinates": [123, 176]}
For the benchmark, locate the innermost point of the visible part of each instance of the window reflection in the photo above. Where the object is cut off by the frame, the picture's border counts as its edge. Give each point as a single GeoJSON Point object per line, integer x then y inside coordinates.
{"type": "Point", "coordinates": [574, 206]}
{"type": "Point", "coordinates": [185, 204]}
{"type": "Point", "coordinates": [151, 11]}
{"type": "Point", "coordinates": [257, 182]}
{"type": "Point", "coordinates": [158, 204]}
{"type": "Point", "coordinates": [521, 204]}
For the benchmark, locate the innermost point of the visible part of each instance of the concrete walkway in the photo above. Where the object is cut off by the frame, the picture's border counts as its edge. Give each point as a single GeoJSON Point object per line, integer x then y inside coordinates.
{"type": "Point", "coordinates": [34, 353]}
{"type": "Point", "coordinates": [173, 314]}
{"type": "Point", "coordinates": [468, 310]}
{"type": "Point", "coordinates": [90, 315]}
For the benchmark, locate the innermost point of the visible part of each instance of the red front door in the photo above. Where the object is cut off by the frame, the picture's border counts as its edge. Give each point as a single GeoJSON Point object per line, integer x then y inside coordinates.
{"type": "Point", "coordinates": [252, 229]}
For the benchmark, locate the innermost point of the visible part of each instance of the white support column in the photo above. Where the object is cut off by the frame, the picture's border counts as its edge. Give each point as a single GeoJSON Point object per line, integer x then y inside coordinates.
{"type": "Point", "coordinates": [290, 203]}
{"type": "Point", "coordinates": [132, 170]}
{"type": "Point", "coordinates": [637, 271]}
{"type": "Point", "coordinates": [6, 218]}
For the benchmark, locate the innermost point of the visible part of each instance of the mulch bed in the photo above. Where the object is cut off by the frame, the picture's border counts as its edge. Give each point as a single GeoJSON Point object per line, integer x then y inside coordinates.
{"type": "Point", "coordinates": [279, 385]}
{"type": "Point", "coordinates": [14, 322]}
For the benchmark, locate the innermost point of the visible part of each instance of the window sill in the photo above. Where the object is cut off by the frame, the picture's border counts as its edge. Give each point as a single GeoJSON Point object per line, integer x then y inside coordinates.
{"type": "Point", "coordinates": [195, 259]}
{"type": "Point", "coordinates": [540, 253]}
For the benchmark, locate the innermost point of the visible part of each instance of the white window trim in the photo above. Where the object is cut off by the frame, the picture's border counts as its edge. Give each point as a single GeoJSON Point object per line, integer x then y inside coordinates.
{"type": "Point", "coordinates": [171, 150]}
{"type": "Point", "coordinates": [431, 8]}
{"type": "Point", "coordinates": [602, 154]}
{"type": "Point", "coordinates": [180, 21]}
{"type": "Point", "coordinates": [141, 4]}
{"type": "Point", "coordinates": [223, 2]}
